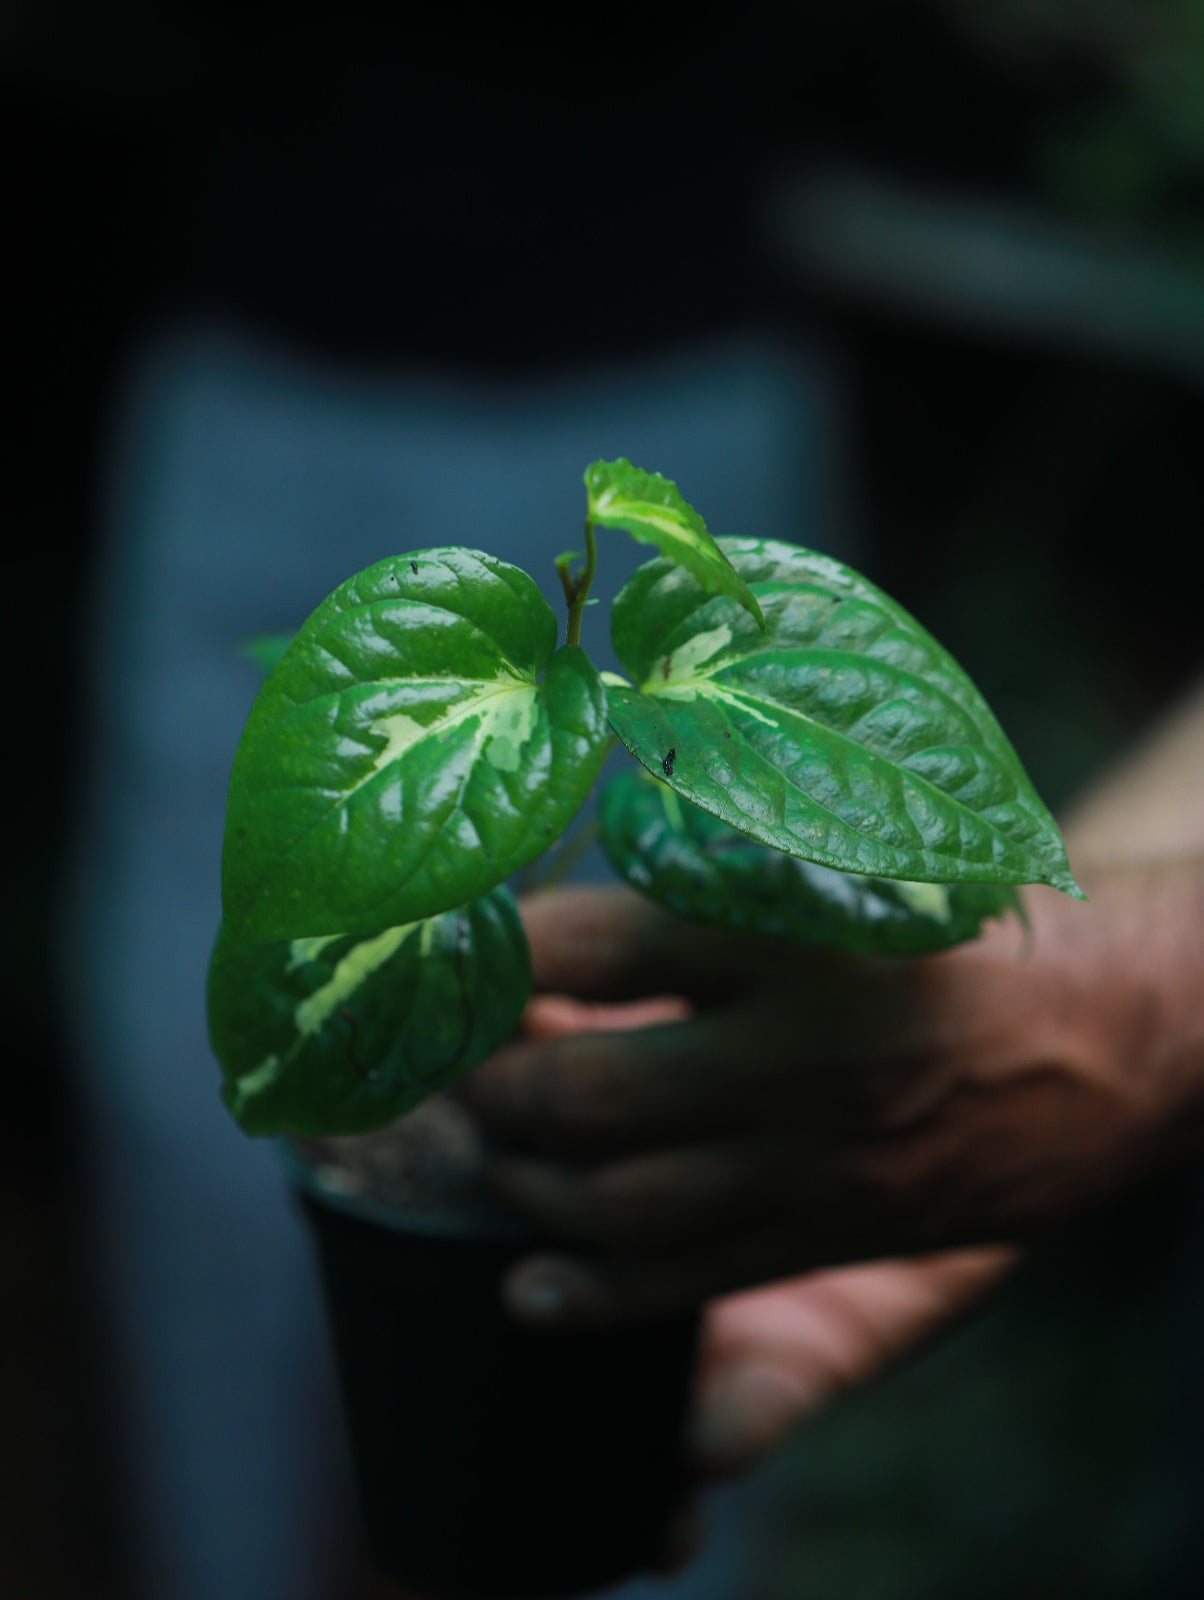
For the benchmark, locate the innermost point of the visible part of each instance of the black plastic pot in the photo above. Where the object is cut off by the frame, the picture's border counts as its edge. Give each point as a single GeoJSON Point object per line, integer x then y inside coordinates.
{"type": "Point", "coordinates": [493, 1460]}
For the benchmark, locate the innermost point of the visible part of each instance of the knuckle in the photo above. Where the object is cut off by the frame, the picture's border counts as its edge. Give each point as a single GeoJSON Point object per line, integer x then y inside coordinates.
{"type": "Point", "coordinates": [893, 1171]}
{"type": "Point", "coordinates": [885, 1180]}
{"type": "Point", "coordinates": [927, 1191]}
{"type": "Point", "coordinates": [572, 1097]}
{"type": "Point", "coordinates": [620, 1205]}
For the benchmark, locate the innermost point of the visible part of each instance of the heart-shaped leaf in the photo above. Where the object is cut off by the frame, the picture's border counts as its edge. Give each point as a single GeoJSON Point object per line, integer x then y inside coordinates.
{"type": "Point", "coordinates": [406, 754]}
{"type": "Point", "coordinates": [653, 511]}
{"type": "Point", "coordinates": [341, 1034]}
{"type": "Point", "coordinates": [844, 734]}
{"type": "Point", "coordinates": [703, 869]}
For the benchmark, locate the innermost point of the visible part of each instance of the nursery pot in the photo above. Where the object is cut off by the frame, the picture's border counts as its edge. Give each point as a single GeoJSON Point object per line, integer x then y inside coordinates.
{"type": "Point", "coordinates": [493, 1460]}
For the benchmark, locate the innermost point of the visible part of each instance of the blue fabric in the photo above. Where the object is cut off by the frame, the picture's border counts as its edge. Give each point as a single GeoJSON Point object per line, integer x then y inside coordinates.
{"type": "Point", "coordinates": [243, 483]}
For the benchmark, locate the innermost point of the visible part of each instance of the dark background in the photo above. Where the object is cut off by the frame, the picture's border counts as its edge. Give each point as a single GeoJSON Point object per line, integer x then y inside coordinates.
{"type": "Point", "coordinates": [1029, 485]}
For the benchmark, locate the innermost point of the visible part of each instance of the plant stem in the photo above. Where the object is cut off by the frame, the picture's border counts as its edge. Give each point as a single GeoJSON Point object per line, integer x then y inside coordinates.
{"type": "Point", "coordinates": [572, 846]}
{"type": "Point", "coordinates": [580, 586]}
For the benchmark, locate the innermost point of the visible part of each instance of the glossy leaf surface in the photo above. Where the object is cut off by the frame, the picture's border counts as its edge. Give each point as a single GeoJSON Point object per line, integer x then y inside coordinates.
{"type": "Point", "coordinates": [844, 734]}
{"type": "Point", "coordinates": [342, 1034]}
{"type": "Point", "coordinates": [420, 739]}
{"type": "Point", "coordinates": [653, 511]}
{"type": "Point", "coordinates": [703, 869]}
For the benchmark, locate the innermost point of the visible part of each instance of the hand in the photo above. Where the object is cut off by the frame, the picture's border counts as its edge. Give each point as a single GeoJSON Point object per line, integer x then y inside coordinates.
{"type": "Point", "coordinates": [804, 1109]}
{"type": "Point", "coordinates": [773, 1356]}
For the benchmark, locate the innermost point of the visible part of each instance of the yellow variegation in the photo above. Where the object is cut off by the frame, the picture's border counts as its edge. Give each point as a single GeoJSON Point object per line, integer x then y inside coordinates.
{"type": "Point", "coordinates": [340, 1034]}
{"type": "Point", "coordinates": [653, 511]}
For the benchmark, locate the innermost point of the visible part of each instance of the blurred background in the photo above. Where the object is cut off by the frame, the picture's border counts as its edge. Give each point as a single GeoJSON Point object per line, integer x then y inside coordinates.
{"type": "Point", "coordinates": [971, 235]}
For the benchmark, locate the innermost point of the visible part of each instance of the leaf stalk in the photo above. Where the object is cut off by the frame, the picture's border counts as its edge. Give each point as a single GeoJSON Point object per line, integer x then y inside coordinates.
{"type": "Point", "coordinates": [577, 585]}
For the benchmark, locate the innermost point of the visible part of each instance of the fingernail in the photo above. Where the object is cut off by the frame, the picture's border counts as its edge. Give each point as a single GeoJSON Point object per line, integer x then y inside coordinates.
{"type": "Point", "coordinates": [543, 1291]}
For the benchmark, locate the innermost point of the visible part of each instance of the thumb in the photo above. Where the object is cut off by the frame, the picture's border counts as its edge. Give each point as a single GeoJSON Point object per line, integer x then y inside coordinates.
{"type": "Point", "coordinates": [745, 1412]}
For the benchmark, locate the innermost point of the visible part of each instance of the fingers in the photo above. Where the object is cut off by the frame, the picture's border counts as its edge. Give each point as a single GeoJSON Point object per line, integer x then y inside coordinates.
{"type": "Point", "coordinates": [774, 1356]}
{"type": "Point", "coordinates": [612, 944]}
{"type": "Point", "coordinates": [562, 1291]}
{"type": "Point", "coordinates": [598, 1093]}
{"type": "Point", "coordinates": [580, 1289]}
{"type": "Point", "coordinates": [608, 945]}
{"type": "Point", "coordinates": [747, 1413]}
{"type": "Point", "coordinates": [637, 1081]}
{"type": "Point", "coordinates": [551, 1016]}
{"type": "Point", "coordinates": [646, 1203]}
{"type": "Point", "coordinates": [667, 1230]}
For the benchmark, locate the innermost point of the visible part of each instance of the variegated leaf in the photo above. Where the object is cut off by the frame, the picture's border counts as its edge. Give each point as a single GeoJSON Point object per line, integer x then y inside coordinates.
{"type": "Point", "coordinates": [653, 511]}
{"type": "Point", "coordinates": [705, 870]}
{"type": "Point", "coordinates": [844, 734]}
{"type": "Point", "coordinates": [340, 1034]}
{"type": "Point", "coordinates": [419, 740]}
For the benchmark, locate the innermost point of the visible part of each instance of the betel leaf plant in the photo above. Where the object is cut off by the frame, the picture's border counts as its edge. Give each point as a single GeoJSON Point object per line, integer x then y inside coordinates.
{"type": "Point", "coordinates": [811, 764]}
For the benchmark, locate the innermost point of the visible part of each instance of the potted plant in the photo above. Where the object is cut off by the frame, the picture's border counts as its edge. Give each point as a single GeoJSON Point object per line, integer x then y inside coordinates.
{"type": "Point", "coordinates": [810, 764]}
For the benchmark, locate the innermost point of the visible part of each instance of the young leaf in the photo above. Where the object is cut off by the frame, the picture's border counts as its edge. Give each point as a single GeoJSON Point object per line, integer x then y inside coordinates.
{"type": "Point", "coordinates": [341, 1034]}
{"type": "Point", "coordinates": [653, 511]}
{"type": "Point", "coordinates": [703, 869]}
{"type": "Point", "coordinates": [266, 650]}
{"type": "Point", "coordinates": [844, 734]}
{"type": "Point", "coordinates": [406, 754]}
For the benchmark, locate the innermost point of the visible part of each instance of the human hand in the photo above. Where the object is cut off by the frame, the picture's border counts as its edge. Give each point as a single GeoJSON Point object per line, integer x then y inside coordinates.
{"type": "Point", "coordinates": [773, 1356]}
{"type": "Point", "coordinates": [803, 1108]}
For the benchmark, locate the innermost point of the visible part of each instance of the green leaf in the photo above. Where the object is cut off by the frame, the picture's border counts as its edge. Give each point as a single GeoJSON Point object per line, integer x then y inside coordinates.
{"type": "Point", "coordinates": [702, 869]}
{"type": "Point", "coordinates": [653, 511]}
{"type": "Point", "coordinates": [341, 1034]}
{"type": "Point", "coordinates": [266, 650]}
{"type": "Point", "coordinates": [417, 743]}
{"type": "Point", "coordinates": [844, 734]}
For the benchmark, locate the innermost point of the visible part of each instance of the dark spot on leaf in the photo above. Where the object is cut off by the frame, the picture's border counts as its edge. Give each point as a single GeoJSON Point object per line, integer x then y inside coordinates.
{"type": "Point", "coordinates": [665, 668]}
{"type": "Point", "coordinates": [667, 763]}
{"type": "Point", "coordinates": [413, 566]}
